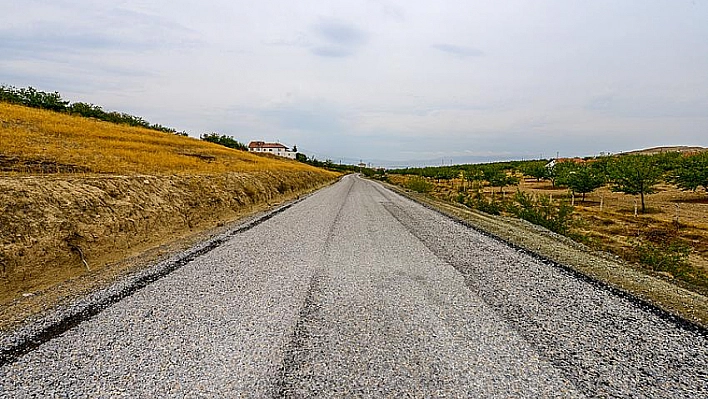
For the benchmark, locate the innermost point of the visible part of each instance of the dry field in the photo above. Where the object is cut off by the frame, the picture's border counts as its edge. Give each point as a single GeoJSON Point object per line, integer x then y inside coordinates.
{"type": "Point", "coordinates": [607, 220]}
{"type": "Point", "coordinates": [78, 197]}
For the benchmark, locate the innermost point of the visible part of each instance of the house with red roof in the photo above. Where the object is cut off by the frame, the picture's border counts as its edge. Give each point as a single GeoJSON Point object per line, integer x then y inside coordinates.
{"type": "Point", "coordinates": [271, 148]}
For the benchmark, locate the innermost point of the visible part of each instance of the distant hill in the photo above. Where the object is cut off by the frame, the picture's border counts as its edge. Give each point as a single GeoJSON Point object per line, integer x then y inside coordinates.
{"type": "Point", "coordinates": [659, 150]}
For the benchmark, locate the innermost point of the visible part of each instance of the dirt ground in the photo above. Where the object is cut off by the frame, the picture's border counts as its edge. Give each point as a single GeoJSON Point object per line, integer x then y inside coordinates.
{"type": "Point", "coordinates": [609, 218]}
{"type": "Point", "coordinates": [62, 236]}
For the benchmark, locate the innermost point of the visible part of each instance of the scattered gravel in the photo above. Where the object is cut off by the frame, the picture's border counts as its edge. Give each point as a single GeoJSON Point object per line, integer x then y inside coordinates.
{"type": "Point", "coordinates": [359, 292]}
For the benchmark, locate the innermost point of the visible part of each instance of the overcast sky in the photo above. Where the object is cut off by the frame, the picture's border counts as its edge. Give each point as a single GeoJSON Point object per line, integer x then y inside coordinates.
{"type": "Point", "coordinates": [398, 81]}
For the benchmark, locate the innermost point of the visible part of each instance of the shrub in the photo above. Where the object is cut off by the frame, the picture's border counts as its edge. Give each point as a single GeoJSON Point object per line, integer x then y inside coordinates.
{"type": "Point", "coordinates": [490, 206]}
{"type": "Point", "coordinates": [461, 198]}
{"type": "Point", "coordinates": [669, 257]}
{"type": "Point", "coordinates": [542, 211]}
{"type": "Point", "coordinates": [419, 184]}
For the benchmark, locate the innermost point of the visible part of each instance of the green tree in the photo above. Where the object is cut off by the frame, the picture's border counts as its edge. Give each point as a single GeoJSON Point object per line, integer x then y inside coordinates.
{"type": "Point", "coordinates": [692, 172]}
{"type": "Point", "coordinates": [536, 169]}
{"type": "Point", "coordinates": [583, 179]}
{"type": "Point", "coordinates": [561, 172]}
{"type": "Point", "coordinates": [224, 140]}
{"type": "Point", "coordinates": [635, 174]}
{"type": "Point", "coordinates": [496, 176]}
{"type": "Point", "coordinates": [473, 175]}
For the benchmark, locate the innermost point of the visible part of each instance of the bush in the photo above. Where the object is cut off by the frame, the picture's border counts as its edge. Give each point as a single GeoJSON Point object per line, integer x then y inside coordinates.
{"type": "Point", "coordinates": [224, 140]}
{"type": "Point", "coordinates": [542, 211]}
{"type": "Point", "coordinates": [490, 206]}
{"type": "Point", "coordinates": [31, 97]}
{"type": "Point", "coordinates": [666, 257]}
{"type": "Point", "coordinates": [419, 184]}
{"type": "Point", "coordinates": [461, 198]}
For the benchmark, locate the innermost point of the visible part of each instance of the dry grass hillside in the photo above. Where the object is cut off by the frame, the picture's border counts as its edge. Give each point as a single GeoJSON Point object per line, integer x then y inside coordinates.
{"type": "Point", "coordinates": [79, 196]}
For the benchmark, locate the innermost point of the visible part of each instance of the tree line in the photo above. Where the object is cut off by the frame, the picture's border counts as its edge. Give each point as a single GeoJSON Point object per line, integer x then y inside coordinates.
{"type": "Point", "coordinates": [629, 174]}
{"type": "Point", "coordinates": [338, 167]}
{"type": "Point", "coordinates": [31, 97]}
{"type": "Point", "coordinates": [226, 141]}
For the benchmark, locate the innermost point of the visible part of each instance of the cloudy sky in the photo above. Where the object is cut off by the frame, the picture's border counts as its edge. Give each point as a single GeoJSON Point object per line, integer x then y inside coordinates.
{"type": "Point", "coordinates": [406, 82]}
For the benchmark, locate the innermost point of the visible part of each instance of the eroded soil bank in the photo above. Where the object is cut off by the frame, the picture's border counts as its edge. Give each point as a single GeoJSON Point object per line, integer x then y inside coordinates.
{"type": "Point", "coordinates": [63, 230]}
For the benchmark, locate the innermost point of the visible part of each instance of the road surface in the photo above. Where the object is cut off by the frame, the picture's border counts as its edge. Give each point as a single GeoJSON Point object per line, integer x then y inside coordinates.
{"type": "Point", "coordinates": [358, 292]}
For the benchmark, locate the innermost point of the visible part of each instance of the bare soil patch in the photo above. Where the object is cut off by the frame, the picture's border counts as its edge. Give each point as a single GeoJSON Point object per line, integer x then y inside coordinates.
{"type": "Point", "coordinates": [65, 235]}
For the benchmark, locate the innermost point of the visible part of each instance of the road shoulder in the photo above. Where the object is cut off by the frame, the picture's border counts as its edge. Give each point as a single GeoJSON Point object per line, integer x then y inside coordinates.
{"type": "Point", "coordinates": [687, 307]}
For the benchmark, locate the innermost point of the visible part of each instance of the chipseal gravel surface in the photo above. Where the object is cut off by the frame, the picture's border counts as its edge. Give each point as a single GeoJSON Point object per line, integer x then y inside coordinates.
{"type": "Point", "coordinates": [358, 292]}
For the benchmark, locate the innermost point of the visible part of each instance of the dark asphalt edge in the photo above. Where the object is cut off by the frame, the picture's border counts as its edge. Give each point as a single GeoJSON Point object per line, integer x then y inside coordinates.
{"type": "Point", "coordinates": [293, 353]}
{"type": "Point", "coordinates": [641, 303]}
{"type": "Point", "coordinates": [29, 337]}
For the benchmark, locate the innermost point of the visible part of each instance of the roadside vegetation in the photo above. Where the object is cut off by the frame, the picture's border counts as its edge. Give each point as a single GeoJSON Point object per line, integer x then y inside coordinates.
{"type": "Point", "coordinates": [650, 209]}
{"type": "Point", "coordinates": [33, 98]}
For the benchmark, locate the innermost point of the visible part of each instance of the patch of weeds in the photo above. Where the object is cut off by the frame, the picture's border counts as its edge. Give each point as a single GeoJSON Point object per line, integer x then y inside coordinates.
{"type": "Point", "coordinates": [671, 257]}
{"type": "Point", "coordinates": [381, 177]}
{"type": "Point", "coordinates": [541, 210]}
{"type": "Point", "coordinates": [490, 206]}
{"type": "Point", "coordinates": [419, 184]}
{"type": "Point", "coordinates": [461, 198]}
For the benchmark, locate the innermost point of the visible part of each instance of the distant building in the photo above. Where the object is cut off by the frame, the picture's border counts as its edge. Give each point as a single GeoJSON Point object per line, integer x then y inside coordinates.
{"type": "Point", "coordinates": [271, 148]}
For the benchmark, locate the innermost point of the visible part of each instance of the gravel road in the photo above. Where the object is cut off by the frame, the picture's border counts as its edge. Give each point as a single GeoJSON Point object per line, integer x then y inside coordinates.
{"type": "Point", "coordinates": [359, 292]}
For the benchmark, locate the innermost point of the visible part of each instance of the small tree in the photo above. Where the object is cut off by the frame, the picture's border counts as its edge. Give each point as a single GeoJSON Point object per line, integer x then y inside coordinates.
{"type": "Point", "coordinates": [635, 174]}
{"type": "Point", "coordinates": [583, 179]}
{"type": "Point", "coordinates": [562, 171]}
{"type": "Point", "coordinates": [692, 172]}
{"type": "Point", "coordinates": [536, 169]}
{"type": "Point", "coordinates": [498, 177]}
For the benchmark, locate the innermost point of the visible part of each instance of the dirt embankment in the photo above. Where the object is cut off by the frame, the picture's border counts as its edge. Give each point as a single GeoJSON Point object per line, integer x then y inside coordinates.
{"type": "Point", "coordinates": [56, 229]}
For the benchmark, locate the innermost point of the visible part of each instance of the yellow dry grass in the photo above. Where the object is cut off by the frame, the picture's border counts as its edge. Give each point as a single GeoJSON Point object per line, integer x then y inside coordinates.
{"type": "Point", "coordinates": [71, 143]}
{"type": "Point", "coordinates": [79, 197]}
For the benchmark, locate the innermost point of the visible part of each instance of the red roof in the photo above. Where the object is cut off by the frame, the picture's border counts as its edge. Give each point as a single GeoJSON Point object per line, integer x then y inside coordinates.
{"type": "Point", "coordinates": [262, 144]}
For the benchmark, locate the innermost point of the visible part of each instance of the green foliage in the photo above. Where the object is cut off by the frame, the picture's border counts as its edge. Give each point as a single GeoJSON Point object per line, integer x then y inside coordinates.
{"type": "Point", "coordinates": [446, 174]}
{"type": "Point", "coordinates": [491, 206]}
{"type": "Point", "coordinates": [583, 179]}
{"type": "Point", "coordinates": [560, 172]}
{"type": "Point", "coordinates": [496, 176]}
{"type": "Point", "coordinates": [602, 165]}
{"type": "Point", "coordinates": [536, 169]}
{"type": "Point", "coordinates": [542, 211]}
{"type": "Point", "coordinates": [669, 257]}
{"type": "Point", "coordinates": [691, 172]}
{"type": "Point", "coordinates": [667, 161]}
{"type": "Point", "coordinates": [379, 174]}
{"type": "Point", "coordinates": [31, 97]}
{"type": "Point", "coordinates": [224, 140]}
{"type": "Point", "coordinates": [461, 198]}
{"type": "Point", "coordinates": [635, 174]}
{"type": "Point", "coordinates": [419, 184]}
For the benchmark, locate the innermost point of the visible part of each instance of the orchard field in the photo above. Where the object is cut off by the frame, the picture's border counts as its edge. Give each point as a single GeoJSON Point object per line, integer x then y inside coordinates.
{"type": "Point", "coordinates": [668, 238]}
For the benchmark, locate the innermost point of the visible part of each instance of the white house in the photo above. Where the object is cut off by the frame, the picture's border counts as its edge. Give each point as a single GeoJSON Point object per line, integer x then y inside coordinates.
{"type": "Point", "coordinates": [271, 148]}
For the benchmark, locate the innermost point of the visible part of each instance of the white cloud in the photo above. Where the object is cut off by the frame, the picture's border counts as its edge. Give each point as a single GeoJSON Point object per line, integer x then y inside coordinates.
{"type": "Point", "coordinates": [381, 79]}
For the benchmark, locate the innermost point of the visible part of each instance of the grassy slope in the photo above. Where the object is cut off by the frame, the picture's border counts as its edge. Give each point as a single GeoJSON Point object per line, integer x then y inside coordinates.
{"type": "Point", "coordinates": [71, 186]}
{"type": "Point", "coordinates": [79, 144]}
